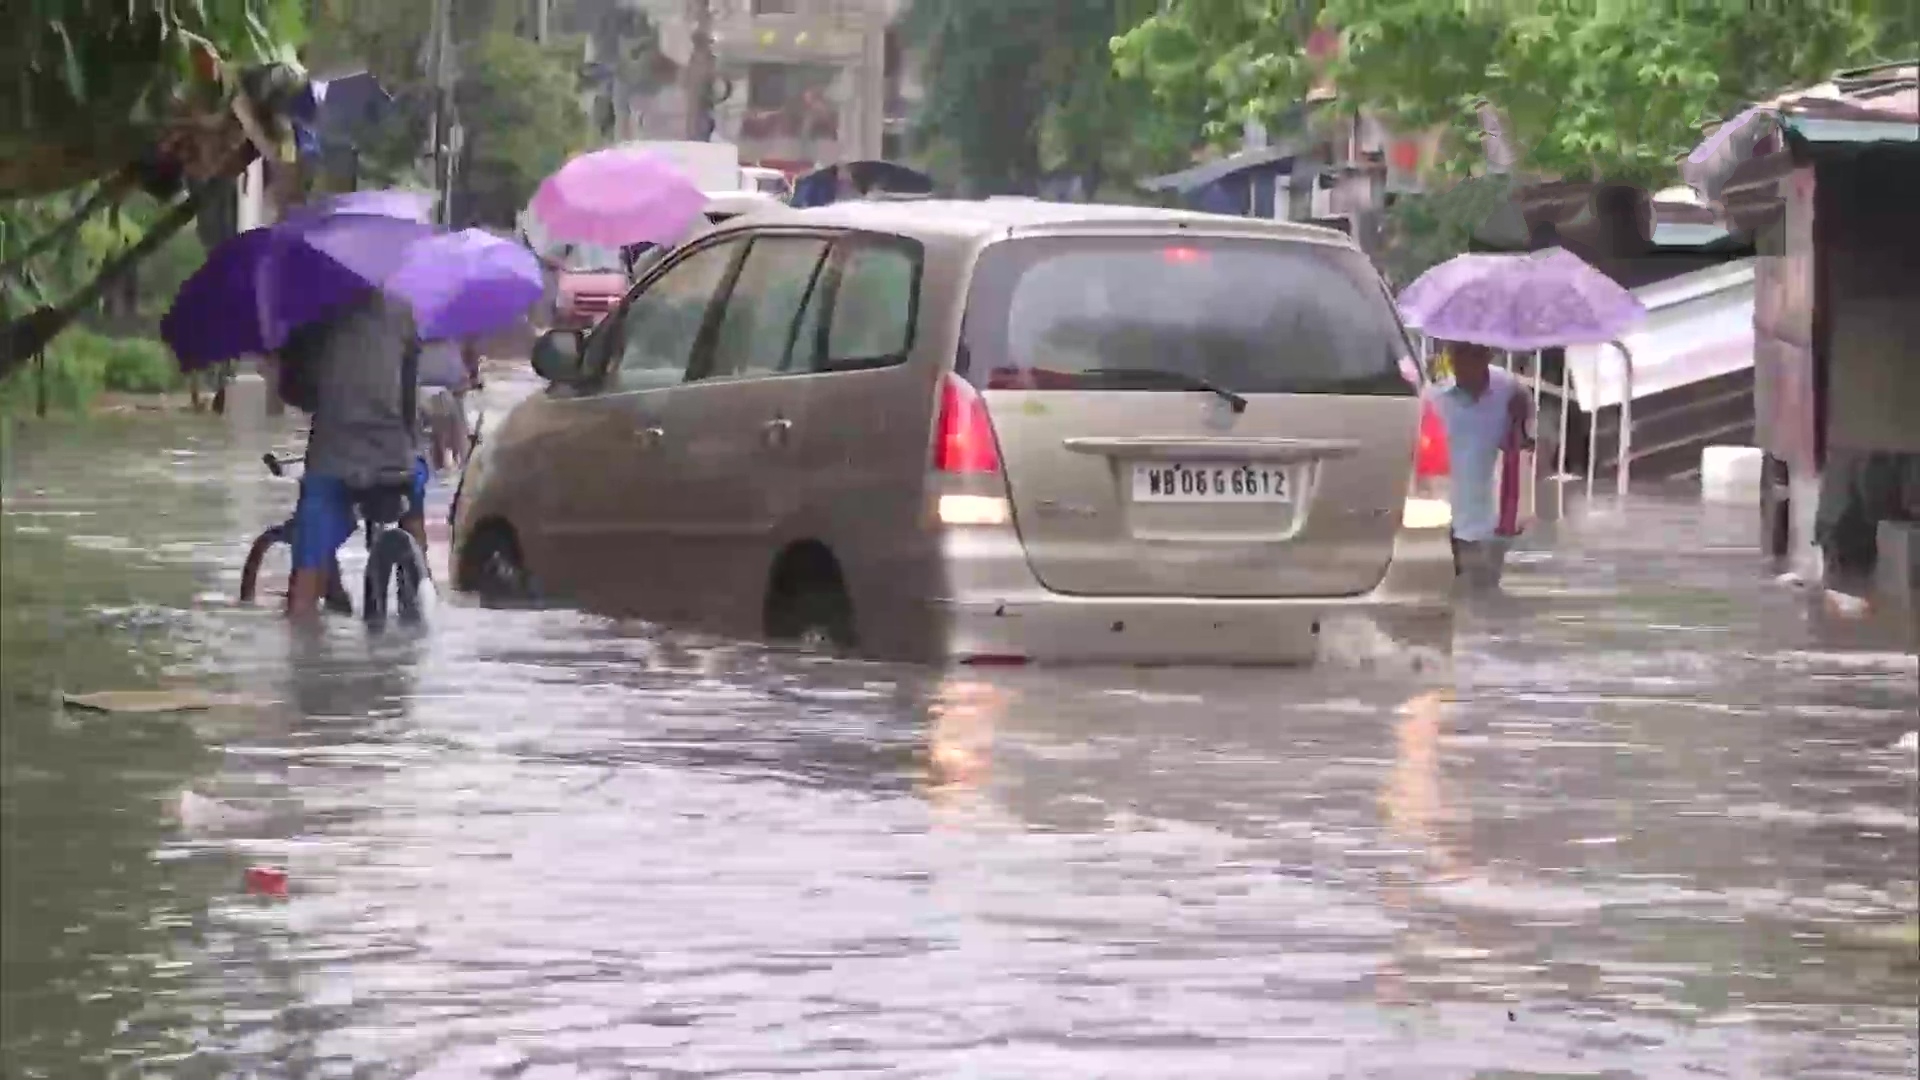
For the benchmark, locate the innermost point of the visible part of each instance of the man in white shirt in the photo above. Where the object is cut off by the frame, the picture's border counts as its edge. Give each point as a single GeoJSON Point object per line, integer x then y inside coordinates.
{"type": "Point", "coordinates": [1479, 409]}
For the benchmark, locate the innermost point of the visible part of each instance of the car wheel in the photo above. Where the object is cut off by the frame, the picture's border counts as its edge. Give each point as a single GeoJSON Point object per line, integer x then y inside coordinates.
{"type": "Point", "coordinates": [493, 569]}
{"type": "Point", "coordinates": [815, 615]}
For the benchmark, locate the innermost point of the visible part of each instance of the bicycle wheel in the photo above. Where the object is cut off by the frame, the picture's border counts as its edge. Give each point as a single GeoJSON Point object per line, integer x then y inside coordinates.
{"type": "Point", "coordinates": [256, 555]}
{"type": "Point", "coordinates": [395, 562]}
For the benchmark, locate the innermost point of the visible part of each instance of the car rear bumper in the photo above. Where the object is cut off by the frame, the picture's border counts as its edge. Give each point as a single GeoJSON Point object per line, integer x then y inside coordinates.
{"type": "Point", "coordinates": [998, 612]}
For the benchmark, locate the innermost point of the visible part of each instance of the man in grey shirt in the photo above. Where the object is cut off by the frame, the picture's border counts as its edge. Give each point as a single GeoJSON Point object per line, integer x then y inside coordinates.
{"type": "Point", "coordinates": [348, 373]}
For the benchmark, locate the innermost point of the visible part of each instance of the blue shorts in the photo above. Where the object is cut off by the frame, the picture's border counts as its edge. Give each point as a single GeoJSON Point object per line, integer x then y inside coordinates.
{"type": "Point", "coordinates": [325, 516]}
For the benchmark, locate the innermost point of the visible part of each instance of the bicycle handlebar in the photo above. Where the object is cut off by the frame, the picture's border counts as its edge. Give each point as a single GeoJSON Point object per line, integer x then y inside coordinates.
{"type": "Point", "coordinates": [276, 464]}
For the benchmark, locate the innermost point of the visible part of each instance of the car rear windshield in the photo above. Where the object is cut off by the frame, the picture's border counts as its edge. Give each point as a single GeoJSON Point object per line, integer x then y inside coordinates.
{"type": "Point", "coordinates": [1253, 316]}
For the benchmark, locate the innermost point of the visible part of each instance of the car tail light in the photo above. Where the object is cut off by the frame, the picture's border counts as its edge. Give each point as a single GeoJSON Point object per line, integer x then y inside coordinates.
{"type": "Point", "coordinates": [963, 439]}
{"type": "Point", "coordinates": [1430, 457]}
{"type": "Point", "coordinates": [1427, 506]}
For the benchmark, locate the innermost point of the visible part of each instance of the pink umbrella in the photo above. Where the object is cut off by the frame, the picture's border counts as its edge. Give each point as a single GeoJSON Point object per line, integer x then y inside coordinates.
{"type": "Point", "coordinates": [617, 196]}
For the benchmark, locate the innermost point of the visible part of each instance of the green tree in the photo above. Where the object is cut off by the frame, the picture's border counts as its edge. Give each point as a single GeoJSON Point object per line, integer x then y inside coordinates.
{"type": "Point", "coordinates": [94, 85]}
{"type": "Point", "coordinates": [1602, 89]}
{"type": "Point", "coordinates": [520, 108]}
{"type": "Point", "coordinates": [984, 87]}
{"type": "Point", "coordinates": [111, 98]}
{"type": "Point", "coordinates": [1020, 88]}
{"type": "Point", "coordinates": [518, 102]}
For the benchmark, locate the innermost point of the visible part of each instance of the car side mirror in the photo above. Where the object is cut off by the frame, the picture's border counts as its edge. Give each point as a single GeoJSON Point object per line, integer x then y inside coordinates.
{"type": "Point", "coordinates": [559, 356]}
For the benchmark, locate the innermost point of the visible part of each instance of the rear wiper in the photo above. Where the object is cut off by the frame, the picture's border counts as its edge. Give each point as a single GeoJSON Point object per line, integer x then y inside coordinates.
{"type": "Point", "coordinates": [1189, 382]}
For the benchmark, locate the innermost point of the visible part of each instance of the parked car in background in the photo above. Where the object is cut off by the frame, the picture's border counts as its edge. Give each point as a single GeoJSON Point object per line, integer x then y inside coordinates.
{"type": "Point", "coordinates": [724, 206]}
{"type": "Point", "coordinates": [989, 431]}
{"type": "Point", "coordinates": [766, 181]}
{"type": "Point", "coordinates": [589, 282]}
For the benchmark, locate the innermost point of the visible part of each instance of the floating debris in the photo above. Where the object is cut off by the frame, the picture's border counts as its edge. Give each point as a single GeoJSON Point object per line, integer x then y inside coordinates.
{"type": "Point", "coordinates": [266, 881]}
{"type": "Point", "coordinates": [1846, 605]}
{"type": "Point", "coordinates": [148, 702]}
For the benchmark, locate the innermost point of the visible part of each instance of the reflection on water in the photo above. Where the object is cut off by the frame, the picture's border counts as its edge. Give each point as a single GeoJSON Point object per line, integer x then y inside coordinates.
{"type": "Point", "coordinates": [1646, 825]}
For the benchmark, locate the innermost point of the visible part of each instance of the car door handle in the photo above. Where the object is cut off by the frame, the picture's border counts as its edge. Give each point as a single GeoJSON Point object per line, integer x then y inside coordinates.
{"type": "Point", "coordinates": [650, 437]}
{"type": "Point", "coordinates": [775, 432]}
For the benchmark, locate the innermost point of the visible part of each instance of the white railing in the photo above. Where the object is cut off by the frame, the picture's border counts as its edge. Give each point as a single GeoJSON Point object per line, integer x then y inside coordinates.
{"type": "Point", "coordinates": [1564, 391]}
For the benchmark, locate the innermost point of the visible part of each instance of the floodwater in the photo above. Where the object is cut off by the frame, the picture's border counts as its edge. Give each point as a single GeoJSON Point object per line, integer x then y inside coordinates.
{"type": "Point", "coordinates": [1649, 823]}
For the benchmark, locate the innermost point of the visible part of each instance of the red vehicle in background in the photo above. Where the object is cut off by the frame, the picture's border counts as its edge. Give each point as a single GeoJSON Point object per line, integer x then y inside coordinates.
{"type": "Point", "coordinates": [584, 282]}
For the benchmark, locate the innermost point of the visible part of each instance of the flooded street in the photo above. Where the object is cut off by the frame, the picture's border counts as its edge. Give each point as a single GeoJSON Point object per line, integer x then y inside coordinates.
{"type": "Point", "coordinates": [1646, 824]}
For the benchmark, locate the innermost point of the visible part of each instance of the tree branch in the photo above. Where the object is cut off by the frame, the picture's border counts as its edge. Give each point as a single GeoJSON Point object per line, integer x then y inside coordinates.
{"type": "Point", "coordinates": [112, 189]}
{"type": "Point", "coordinates": [22, 338]}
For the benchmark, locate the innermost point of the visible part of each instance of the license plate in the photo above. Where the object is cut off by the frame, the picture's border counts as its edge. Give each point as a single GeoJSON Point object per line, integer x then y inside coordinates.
{"type": "Point", "coordinates": [1202, 482]}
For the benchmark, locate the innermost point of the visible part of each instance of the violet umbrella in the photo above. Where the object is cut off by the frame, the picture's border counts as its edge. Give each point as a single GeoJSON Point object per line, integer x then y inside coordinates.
{"type": "Point", "coordinates": [389, 202]}
{"type": "Point", "coordinates": [258, 287]}
{"type": "Point", "coordinates": [618, 196]}
{"type": "Point", "coordinates": [1520, 302]}
{"type": "Point", "coordinates": [466, 284]}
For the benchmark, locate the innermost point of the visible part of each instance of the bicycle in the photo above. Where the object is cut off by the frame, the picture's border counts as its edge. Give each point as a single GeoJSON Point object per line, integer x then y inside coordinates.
{"type": "Point", "coordinates": [394, 560]}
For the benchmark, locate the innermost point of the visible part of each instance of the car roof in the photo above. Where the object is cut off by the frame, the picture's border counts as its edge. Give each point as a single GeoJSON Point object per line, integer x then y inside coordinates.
{"type": "Point", "coordinates": [973, 221]}
{"type": "Point", "coordinates": [739, 202]}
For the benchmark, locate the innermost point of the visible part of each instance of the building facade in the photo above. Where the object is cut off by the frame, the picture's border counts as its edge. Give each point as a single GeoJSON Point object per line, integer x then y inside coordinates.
{"type": "Point", "coordinates": [798, 82]}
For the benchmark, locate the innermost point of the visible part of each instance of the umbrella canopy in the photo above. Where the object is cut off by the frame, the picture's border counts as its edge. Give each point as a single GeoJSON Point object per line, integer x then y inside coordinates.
{"type": "Point", "coordinates": [1520, 302]}
{"type": "Point", "coordinates": [394, 203]}
{"type": "Point", "coordinates": [618, 196]}
{"type": "Point", "coordinates": [466, 284]}
{"type": "Point", "coordinates": [258, 287]}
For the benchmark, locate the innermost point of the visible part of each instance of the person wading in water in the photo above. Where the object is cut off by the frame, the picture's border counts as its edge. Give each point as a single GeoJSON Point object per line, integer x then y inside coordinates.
{"type": "Point", "coordinates": [1479, 409]}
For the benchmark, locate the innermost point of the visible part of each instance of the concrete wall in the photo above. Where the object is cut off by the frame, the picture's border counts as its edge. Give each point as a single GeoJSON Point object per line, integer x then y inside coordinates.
{"type": "Point", "coordinates": [846, 36]}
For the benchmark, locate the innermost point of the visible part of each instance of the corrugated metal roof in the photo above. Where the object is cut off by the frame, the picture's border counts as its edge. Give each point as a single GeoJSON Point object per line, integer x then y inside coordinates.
{"type": "Point", "coordinates": [1888, 94]}
{"type": "Point", "coordinates": [1865, 105]}
{"type": "Point", "coordinates": [1186, 180]}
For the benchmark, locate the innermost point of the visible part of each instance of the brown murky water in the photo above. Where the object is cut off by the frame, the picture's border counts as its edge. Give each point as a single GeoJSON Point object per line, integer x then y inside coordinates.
{"type": "Point", "coordinates": [1647, 825]}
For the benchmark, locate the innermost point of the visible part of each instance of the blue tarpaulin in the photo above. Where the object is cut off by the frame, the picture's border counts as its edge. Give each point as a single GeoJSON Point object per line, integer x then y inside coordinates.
{"type": "Point", "coordinates": [1242, 184]}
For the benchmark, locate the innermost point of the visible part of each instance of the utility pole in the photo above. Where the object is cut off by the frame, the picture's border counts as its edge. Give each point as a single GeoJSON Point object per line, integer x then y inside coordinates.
{"type": "Point", "coordinates": [697, 77]}
{"type": "Point", "coordinates": [439, 71]}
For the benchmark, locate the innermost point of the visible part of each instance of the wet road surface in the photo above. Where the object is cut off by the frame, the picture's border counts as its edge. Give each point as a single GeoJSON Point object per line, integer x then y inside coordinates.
{"type": "Point", "coordinates": [1647, 824]}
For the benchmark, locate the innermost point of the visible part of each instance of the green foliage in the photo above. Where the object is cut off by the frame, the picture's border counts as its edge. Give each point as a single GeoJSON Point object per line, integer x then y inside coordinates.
{"type": "Point", "coordinates": [1601, 89]}
{"type": "Point", "coordinates": [61, 268]}
{"type": "Point", "coordinates": [1225, 61]}
{"type": "Point", "coordinates": [64, 267]}
{"type": "Point", "coordinates": [1423, 231]}
{"type": "Point", "coordinates": [984, 87]}
{"type": "Point", "coordinates": [80, 364]}
{"type": "Point", "coordinates": [520, 108]}
{"type": "Point", "coordinates": [1022, 87]}
{"type": "Point", "coordinates": [518, 103]}
{"type": "Point", "coordinates": [93, 82]}
{"type": "Point", "coordinates": [134, 365]}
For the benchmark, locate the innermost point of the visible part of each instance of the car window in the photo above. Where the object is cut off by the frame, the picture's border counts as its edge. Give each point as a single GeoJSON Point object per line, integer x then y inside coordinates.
{"type": "Point", "coordinates": [805, 354]}
{"type": "Point", "coordinates": [757, 324]}
{"type": "Point", "coordinates": [1250, 315]}
{"type": "Point", "coordinates": [661, 326]}
{"type": "Point", "coordinates": [875, 302]}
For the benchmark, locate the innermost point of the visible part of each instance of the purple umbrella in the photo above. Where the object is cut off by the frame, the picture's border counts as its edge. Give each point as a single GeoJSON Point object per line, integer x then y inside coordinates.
{"type": "Point", "coordinates": [466, 284]}
{"type": "Point", "coordinates": [261, 285]}
{"type": "Point", "coordinates": [393, 203]}
{"type": "Point", "coordinates": [1520, 302]}
{"type": "Point", "coordinates": [616, 197]}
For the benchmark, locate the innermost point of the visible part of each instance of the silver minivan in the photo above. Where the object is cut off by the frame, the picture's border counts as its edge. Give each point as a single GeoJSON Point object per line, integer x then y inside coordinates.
{"type": "Point", "coordinates": [990, 431]}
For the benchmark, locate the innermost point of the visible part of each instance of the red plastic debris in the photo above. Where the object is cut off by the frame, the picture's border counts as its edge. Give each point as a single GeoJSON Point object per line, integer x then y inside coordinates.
{"type": "Point", "coordinates": [266, 881]}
